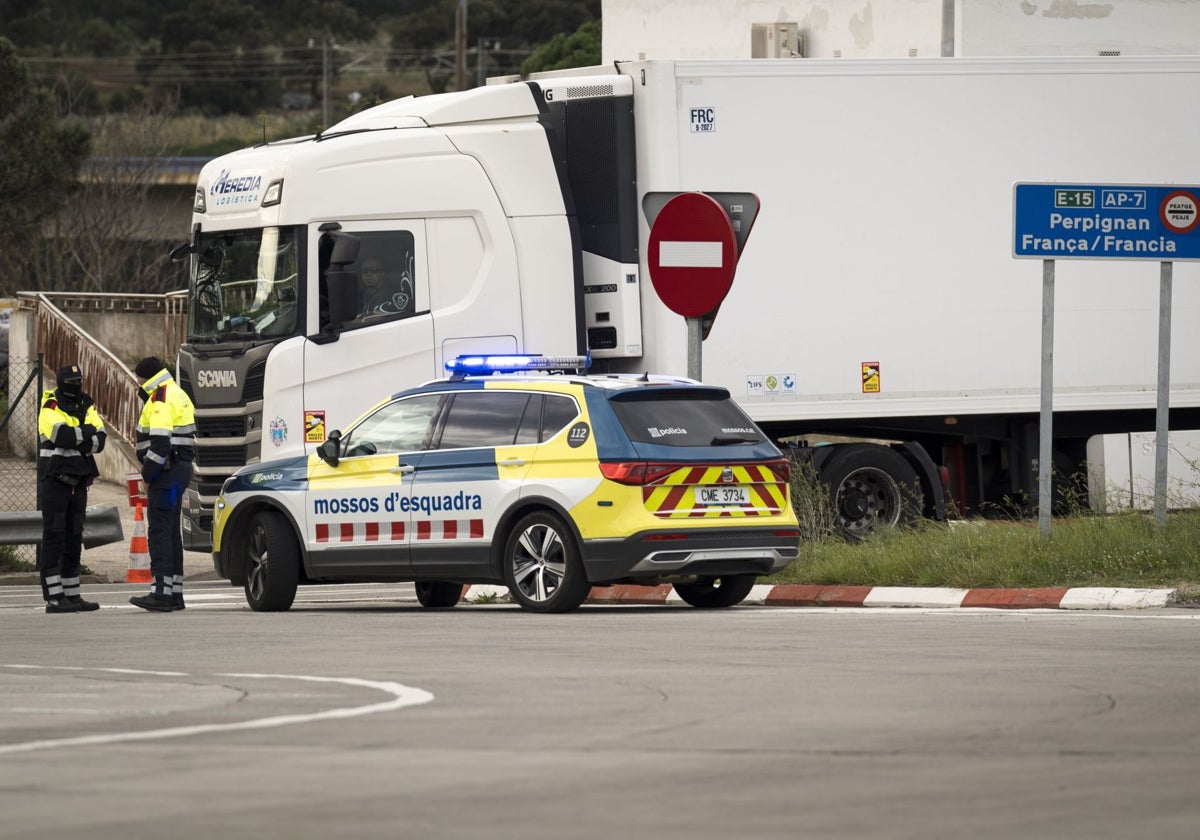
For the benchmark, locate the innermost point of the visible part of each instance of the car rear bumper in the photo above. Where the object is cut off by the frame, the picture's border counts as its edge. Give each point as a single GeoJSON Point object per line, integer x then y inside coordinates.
{"type": "Point", "coordinates": [709, 552]}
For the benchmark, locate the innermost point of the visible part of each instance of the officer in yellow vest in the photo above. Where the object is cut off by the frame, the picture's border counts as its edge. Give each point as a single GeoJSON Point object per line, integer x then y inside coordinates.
{"type": "Point", "coordinates": [166, 447]}
{"type": "Point", "coordinates": [70, 433]}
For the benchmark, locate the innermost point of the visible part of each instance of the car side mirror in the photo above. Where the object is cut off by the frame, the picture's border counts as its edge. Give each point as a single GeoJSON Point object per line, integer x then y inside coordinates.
{"type": "Point", "coordinates": [331, 450]}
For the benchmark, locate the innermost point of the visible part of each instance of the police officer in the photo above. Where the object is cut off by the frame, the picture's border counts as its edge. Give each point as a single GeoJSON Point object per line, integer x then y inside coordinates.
{"type": "Point", "coordinates": [70, 434]}
{"type": "Point", "coordinates": [166, 446]}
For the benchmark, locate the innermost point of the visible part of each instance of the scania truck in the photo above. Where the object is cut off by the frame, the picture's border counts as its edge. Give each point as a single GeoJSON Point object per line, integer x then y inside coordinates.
{"type": "Point", "coordinates": [876, 309]}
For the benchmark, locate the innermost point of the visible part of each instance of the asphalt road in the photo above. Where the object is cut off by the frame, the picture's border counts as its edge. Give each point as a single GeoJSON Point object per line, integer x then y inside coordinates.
{"type": "Point", "coordinates": [359, 714]}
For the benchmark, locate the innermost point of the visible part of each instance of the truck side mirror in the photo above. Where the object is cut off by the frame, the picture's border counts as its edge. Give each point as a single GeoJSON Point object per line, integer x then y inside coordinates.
{"type": "Point", "coordinates": [343, 295]}
{"type": "Point", "coordinates": [331, 449]}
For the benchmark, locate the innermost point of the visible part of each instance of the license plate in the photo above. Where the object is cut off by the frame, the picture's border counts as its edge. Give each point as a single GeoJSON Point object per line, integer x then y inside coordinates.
{"type": "Point", "coordinates": [722, 496]}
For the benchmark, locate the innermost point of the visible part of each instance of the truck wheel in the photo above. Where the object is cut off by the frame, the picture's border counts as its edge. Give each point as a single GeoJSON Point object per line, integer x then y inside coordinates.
{"type": "Point", "coordinates": [871, 487]}
{"type": "Point", "coordinates": [542, 567]}
{"type": "Point", "coordinates": [272, 563]}
{"type": "Point", "coordinates": [437, 594]}
{"type": "Point", "coordinates": [716, 593]}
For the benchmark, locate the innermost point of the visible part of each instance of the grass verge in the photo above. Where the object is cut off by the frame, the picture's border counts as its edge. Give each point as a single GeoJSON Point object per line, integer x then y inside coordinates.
{"type": "Point", "coordinates": [1085, 549]}
{"type": "Point", "coordinates": [1124, 550]}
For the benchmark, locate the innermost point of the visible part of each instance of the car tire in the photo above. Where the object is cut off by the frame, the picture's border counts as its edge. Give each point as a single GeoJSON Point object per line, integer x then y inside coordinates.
{"type": "Point", "coordinates": [438, 594]}
{"type": "Point", "coordinates": [272, 563]}
{"type": "Point", "coordinates": [542, 566]}
{"type": "Point", "coordinates": [718, 592]}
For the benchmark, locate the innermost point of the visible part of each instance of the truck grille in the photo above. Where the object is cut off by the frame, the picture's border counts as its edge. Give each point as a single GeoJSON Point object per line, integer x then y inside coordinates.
{"type": "Point", "coordinates": [221, 456]}
{"type": "Point", "coordinates": [227, 427]}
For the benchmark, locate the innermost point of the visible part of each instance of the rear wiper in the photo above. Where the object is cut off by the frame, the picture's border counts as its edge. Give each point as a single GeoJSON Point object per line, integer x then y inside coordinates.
{"type": "Point", "coordinates": [730, 440]}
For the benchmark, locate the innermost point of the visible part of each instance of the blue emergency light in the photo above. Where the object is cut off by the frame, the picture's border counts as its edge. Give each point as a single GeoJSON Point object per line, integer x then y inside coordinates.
{"type": "Point", "coordinates": [461, 366]}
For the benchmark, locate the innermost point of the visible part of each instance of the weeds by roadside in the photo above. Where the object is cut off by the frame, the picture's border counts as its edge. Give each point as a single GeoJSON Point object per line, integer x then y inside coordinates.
{"type": "Point", "coordinates": [1083, 549]}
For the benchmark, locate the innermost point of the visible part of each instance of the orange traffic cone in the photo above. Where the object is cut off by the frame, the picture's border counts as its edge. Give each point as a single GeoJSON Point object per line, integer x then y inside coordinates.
{"type": "Point", "coordinates": [139, 551]}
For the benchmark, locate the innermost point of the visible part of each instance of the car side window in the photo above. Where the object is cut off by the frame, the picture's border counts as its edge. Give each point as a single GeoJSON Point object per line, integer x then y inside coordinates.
{"type": "Point", "coordinates": [560, 410]}
{"type": "Point", "coordinates": [401, 426]}
{"type": "Point", "coordinates": [531, 422]}
{"type": "Point", "coordinates": [483, 418]}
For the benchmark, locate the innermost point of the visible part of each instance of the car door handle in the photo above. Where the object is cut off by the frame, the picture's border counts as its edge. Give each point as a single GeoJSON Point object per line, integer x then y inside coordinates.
{"type": "Point", "coordinates": [403, 469]}
{"type": "Point", "coordinates": [512, 462]}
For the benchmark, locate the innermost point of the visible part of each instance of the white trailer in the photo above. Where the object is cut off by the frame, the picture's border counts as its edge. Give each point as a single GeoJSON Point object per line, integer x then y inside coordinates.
{"type": "Point", "coordinates": [733, 29]}
{"type": "Point", "coordinates": [876, 297]}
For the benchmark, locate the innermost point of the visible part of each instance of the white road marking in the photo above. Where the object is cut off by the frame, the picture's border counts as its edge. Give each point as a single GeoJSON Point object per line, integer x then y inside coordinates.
{"type": "Point", "coordinates": [402, 696]}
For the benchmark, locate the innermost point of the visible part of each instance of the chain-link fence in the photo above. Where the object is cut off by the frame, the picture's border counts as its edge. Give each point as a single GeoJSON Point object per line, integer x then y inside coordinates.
{"type": "Point", "coordinates": [18, 443]}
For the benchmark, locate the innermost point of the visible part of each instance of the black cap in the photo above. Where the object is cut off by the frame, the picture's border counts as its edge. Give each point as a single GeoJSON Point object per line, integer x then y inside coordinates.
{"type": "Point", "coordinates": [148, 366]}
{"type": "Point", "coordinates": [69, 373]}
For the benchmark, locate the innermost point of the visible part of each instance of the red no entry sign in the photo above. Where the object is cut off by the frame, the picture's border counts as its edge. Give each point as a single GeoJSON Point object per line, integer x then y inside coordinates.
{"type": "Point", "coordinates": [692, 254]}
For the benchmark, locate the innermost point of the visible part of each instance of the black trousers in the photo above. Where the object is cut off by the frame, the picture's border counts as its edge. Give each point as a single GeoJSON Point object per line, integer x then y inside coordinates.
{"type": "Point", "coordinates": [164, 496]}
{"type": "Point", "coordinates": [63, 511]}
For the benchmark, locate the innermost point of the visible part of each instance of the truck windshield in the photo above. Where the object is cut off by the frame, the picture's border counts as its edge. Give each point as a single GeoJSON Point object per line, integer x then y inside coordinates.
{"type": "Point", "coordinates": [243, 285]}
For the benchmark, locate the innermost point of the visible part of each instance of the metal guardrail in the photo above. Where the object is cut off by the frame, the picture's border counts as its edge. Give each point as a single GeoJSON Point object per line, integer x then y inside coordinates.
{"type": "Point", "coordinates": [101, 526]}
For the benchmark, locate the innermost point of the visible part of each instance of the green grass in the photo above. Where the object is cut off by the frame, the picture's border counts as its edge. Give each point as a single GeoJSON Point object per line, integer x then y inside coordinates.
{"type": "Point", "coordinates": [1084, 549]}
{"type": "Point", "coordinates": [1124, 550]}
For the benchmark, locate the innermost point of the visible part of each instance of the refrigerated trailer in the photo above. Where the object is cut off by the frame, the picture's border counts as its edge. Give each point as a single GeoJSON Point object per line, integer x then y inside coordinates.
{"type": "Point", "coordinates": [876, 314]}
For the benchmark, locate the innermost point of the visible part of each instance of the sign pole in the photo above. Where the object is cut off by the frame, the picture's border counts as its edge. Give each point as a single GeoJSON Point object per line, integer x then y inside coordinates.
{"type": "Point", "coordinates": [695, 337]}
{"type": "Point", "coordinates": [1161, 428]}
{"type": "Point", "coordinates": [1046, 420]}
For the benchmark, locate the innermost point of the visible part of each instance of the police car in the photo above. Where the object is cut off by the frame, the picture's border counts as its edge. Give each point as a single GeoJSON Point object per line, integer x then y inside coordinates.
{"type": "Point", "coordinates": [548, 483]}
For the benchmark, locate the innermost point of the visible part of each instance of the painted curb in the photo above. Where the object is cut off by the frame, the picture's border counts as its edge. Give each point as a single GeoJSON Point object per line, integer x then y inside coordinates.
{"type": "Point", "coordinates": [812, 595]}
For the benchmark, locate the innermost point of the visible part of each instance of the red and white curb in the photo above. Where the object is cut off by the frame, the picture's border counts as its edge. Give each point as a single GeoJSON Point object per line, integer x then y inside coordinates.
{"type": "Point", "coordinates": [811, 595]}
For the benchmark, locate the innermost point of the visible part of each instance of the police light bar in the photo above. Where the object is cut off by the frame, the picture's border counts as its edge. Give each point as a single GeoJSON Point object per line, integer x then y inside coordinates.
{"type": "Point", "coordinates": [461, 366]}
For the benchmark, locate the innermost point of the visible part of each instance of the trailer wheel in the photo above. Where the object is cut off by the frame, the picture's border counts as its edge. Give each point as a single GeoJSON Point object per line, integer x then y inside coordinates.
{"type": "Point", "coordinates": [716, 593]}
{"type": "Point", "coordinates": [438, 594]}
{"type": "Point", "coordinates": [871, 487]}
{"type": "Point", "coordinates": [272, 563]}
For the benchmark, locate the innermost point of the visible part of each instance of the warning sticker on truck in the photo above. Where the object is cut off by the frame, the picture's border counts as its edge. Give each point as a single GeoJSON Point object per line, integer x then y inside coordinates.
{"type": "Point", "coordinates": [870, 377]}
{"type": "Point", "coordinates": [314, 426]}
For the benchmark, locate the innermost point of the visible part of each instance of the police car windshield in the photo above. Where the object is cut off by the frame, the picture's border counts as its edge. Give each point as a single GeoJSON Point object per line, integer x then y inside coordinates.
{"type": "Point", "coordinates": [686, 419]}
{"type": "Point", "coordinates": [243, 286]}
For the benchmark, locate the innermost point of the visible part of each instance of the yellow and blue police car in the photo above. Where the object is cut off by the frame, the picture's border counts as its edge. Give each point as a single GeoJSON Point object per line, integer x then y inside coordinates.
{"type": "Point", "coordinates": [548, 483]}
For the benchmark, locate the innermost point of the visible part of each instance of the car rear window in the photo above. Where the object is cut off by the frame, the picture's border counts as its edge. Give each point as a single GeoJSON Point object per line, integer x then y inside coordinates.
{"type": "Point", "coordinates": [685, 419]}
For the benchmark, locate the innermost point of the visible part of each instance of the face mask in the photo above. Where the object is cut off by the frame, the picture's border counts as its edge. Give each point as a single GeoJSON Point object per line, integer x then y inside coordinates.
{"type": "Point", "coordinates": [70, 389]}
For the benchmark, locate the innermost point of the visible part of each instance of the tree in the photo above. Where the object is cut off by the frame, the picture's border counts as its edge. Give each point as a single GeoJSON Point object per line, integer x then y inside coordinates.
{"type": "Point", "coordinates": [110, 237]}
{"type": "Point", "coordinates": [580, 49]}
{"type": "Point", "coordinates": [40, 159]}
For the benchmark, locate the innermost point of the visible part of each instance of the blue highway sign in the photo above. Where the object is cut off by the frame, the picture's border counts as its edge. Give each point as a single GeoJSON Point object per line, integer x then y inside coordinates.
{"type": "Point", "coordinates": [1106, 222]}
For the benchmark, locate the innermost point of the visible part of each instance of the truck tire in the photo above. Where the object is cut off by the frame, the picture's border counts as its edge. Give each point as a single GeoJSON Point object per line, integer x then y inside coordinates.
{"type": "Point", "coordinates": [438, 594]}
{"type": "Point", "coordinates": [542, 567]}
{"type": "Point", "coordinates": [272, 563]}
{"type": "Point", "coordinates": [716, 593]}
{"type": "Point", "coordinates": [871, 487]}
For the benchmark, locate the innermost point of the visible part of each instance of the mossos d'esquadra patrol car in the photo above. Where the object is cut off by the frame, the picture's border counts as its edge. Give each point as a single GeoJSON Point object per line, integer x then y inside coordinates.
{"type": "Point", "coordinates": [547, 483]}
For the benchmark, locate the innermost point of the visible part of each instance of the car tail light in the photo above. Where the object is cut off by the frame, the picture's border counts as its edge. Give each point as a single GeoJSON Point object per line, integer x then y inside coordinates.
{"type": "Point", "coordinates": [636, 473]}
{"type": "Point", "coordinates": [782, 469]}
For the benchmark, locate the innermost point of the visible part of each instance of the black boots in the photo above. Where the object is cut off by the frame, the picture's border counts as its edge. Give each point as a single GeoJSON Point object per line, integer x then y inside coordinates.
{"type": "Point", "coordinates": [82, 605]}
{"type": "Point", "coordinates": [61, 605]}
{"type": "Point", "coordinates": [152, 602]}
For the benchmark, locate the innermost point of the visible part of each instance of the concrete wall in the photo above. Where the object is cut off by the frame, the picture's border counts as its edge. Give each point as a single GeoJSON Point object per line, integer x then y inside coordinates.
{"type": "Point", "coordinates": [130, 336]}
